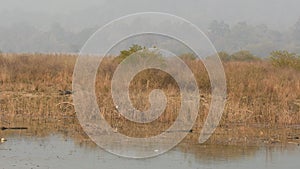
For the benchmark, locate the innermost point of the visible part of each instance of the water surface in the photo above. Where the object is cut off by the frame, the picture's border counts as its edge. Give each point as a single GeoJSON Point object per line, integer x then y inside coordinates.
{"type": "Point", "coordinates": [57, 151]}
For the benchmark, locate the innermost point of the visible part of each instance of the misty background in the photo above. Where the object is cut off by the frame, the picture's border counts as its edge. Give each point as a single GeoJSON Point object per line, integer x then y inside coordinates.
{"type": "Point", "coordinates": [63, 26]}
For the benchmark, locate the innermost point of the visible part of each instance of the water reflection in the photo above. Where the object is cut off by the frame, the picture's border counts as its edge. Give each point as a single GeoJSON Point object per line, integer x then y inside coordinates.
{"type": "Point", "coordinates": [56, 151]}
{"type": "Point", "coordinates": [61, 143]}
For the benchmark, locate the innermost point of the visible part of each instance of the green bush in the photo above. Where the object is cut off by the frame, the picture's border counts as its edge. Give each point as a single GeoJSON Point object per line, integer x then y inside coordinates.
{"type": "Point", "coordinates": [125, 53]}
{"type": "Point", "coordinates": [224, 56]}
{"type": "Point", "coordinates": [285, 59]}
{"type": "Point", "coordinates": [243, 55]}
{"type": "Point", "coordinates": [188, 56]}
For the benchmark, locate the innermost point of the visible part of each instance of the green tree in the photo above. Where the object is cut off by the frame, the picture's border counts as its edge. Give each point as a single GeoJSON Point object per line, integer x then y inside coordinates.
{"type": "Point", "coordinates": [224, 56]}
{"type": "Point", "coordinates": [283, 58]}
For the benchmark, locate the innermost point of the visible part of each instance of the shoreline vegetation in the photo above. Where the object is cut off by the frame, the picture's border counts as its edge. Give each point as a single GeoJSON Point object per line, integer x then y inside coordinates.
{"type": "Point", "coordinates": [262, 106]}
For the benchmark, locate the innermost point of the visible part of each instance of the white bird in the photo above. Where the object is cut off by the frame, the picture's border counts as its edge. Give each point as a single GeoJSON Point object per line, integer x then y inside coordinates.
{"type": "Point", "coordinates": [2, 140]}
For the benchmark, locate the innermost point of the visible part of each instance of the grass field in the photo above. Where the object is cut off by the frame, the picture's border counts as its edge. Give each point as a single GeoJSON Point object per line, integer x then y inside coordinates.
{"type": "Point", "coordinates": [263, 102]}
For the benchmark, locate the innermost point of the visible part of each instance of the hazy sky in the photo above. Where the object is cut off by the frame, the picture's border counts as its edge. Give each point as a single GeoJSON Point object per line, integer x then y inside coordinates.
{"type": "Point", "coordinates": [50, 6]}
{"type": "Point", "coordinates": [34, 25]}
{"type": "Point", "coordinates": [277, 14]}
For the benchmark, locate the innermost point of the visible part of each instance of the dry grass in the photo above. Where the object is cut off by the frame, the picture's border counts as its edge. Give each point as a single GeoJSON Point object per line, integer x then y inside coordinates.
{"type": "Point", "coordinates": [258, 93]}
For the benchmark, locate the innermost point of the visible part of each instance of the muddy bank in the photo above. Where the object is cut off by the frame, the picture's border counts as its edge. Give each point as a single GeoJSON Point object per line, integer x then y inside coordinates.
{"type": "Point", "coordinates": [233, 134]}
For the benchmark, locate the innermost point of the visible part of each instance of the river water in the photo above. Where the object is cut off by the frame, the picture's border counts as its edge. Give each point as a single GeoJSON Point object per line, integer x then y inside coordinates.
{"type": "Point", "coordinates": [59, 152]}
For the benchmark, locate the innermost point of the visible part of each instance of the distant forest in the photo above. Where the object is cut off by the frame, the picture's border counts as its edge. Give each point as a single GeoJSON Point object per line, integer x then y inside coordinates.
{"type": "Point", "coordinates": [258, 39]}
